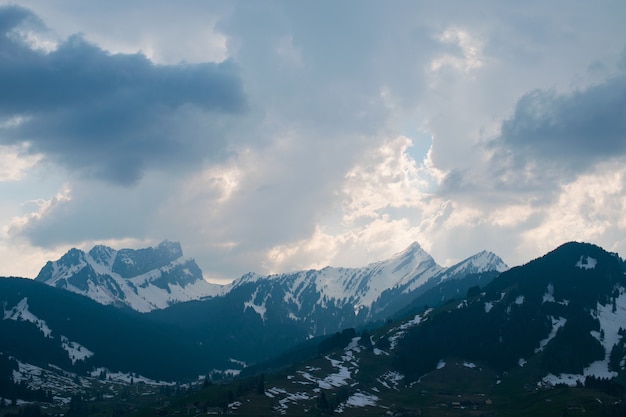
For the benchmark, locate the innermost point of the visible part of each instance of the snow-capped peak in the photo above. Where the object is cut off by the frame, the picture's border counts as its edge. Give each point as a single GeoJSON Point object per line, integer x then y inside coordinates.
{"type": "Point", "coordinates": [481, 262]}
{"type": "Point", "coordinates": [143, 279]}
{"type": "Point", "coordinates": [332, 287]}
{"type": "Point", "coordinates": [486, 261]}
{"type": "Point", "coordinates": [103, 255]}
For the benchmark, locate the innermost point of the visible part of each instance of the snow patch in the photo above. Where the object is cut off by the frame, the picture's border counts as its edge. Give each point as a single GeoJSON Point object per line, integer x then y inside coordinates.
{"type": "Point", "coordinates": [610, 323]}
{"type": "Point", "coordinates": [567, 379]}
{"type": "Point", "coordinates": [238, 362]}
{"type": "Point", "coordinates": [586, 262]}
{"type": "Point", "coordinates": [557, 323]}
{"type": "Point", "coordinates": [21, 313]}
{"type": "Point", "coordinates": [548, 297]}
{"type": "Point", "coordinates": [390, 379]}
{"type": "Point", "coordinates": [129, 377]}
{"type": "Point", "coordinates": [75, 351]}
{"type": "Point", "coordinates": [55, 380]}
{"type": "Point", "coordinates": [260, 309]}
{"type": "Point", "coordinates": [379, 352]}
{"type": "Point", "coordinates": [360, 399]}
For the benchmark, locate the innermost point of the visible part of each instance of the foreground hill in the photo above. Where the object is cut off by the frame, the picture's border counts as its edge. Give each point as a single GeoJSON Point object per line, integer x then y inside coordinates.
{"type": "Point", "coordinates": [46, 326]}
{"type": "Point", "coordinates": [566, 311]}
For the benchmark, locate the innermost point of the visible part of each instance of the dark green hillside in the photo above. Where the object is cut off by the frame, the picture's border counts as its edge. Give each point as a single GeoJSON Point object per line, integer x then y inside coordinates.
{"type": "Point", "coordinates": [578, 285]}
{"type": "Point", "coordinates": [122, 340]}
{"type": "Point", "coordinates": [223, 329]}
{"type": "Point", "coordinates": [514, 313]}
{"type": "Point", "coordinates": [445, 291]}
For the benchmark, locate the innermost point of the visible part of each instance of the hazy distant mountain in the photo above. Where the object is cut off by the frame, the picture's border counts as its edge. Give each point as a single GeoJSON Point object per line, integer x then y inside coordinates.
{"type": "Point", "coordinates": [142, 279]}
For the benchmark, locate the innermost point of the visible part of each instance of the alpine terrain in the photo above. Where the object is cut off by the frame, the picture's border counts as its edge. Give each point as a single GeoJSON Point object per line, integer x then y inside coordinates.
{"type": "Point", "coordinates": [143, 279]}
{"type": "Point", "coordinates": [545, 338]}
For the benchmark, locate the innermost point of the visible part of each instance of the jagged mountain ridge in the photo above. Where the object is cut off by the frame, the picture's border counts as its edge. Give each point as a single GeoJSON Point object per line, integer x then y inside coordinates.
{"type": "Point", "coordinates": [334, 298]}
{"type": "Point", "coordinates": [142, 279]}
{"type": "Point", "coordinates": [131, 277]}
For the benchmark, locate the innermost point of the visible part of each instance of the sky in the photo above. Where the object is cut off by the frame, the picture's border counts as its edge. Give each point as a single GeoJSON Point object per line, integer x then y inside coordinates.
{"type": "Point", "coordinates": [276, 136]}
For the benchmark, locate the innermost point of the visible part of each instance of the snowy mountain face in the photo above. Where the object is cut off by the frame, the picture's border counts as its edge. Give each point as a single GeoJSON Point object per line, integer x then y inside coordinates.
{"type": "Point", "coordinates": [331, 299]}
{"type": "Point", "coordinates": [143, 279]}
{"type": "Point", "coordinates": [155, 278]}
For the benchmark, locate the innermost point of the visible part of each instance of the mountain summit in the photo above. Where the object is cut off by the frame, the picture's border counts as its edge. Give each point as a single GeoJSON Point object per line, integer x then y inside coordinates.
{"type": "Point", "coordinates": [330, 299]}
{"type": "Point", "coordinates": [142, 279]}
{"type": "Point", "coordinates": [564, 313]}
{"type": "Point", "coordinates": [157, 277]}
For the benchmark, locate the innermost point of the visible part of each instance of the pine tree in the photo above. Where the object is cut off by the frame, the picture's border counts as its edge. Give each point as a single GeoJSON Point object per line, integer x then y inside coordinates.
{"type": "Point", "coordinates": [322, 402]}
{"type": "Point", "coordinates": [231, 397]}
{"type": "Point", "coordinates": [260, 388]}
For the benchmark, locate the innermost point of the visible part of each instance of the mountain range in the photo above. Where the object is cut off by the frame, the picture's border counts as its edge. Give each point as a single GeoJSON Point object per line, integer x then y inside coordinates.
{"type": "Point", "coordinates": [543, 339]}
{"type": "Point", "coordinates": [158, 277]}
{"type": "Point", "coordinates": [391, 331]}
{"type": "Point", "coordinates": [207, 328]}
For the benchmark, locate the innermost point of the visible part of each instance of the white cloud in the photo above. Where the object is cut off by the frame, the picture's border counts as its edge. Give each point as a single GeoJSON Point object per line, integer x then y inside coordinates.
{"type": "Point", "coordinates": [383, 204]}
{"type": "Point", "coordinates": [316, 170]}
{"type": "Point", "coordinates": [15, 163]}
{"type": "Point", "coordinates": [42, 209]}
{"type": "Point", "coordinates": [387, 178]}
{"type": "Point", "coordinates": [153, 28]}
{"type": "Point", "coordinates": [470, 56]}
{"type": "Point", "coordinates": [592, 208]}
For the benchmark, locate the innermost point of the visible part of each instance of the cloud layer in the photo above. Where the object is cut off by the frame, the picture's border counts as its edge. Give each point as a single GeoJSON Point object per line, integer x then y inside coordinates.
{"type": "Point", "coordinates": [104, 115]}
{"type": "Point", "coordinates": [282, 135]}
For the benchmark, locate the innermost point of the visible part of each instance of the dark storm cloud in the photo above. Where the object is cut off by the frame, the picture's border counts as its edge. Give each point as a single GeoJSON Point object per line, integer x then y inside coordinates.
{"type": "Point", "coordinates": [576, 130]}
{"type": "Point", "coordinates": [108, 115]}
{"type": "Point", "coordinates": [549, 141]}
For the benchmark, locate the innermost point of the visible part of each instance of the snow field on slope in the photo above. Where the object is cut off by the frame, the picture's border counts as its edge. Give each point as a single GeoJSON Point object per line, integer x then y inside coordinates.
{"type": "Point", "coordinates": [21, 313]}
{"type": "Point", "coordinates": [139, 293]}
{"type": "Point", "coordinates": [339, 371]}
{"type": "Point", "coordinates": [610, 323]}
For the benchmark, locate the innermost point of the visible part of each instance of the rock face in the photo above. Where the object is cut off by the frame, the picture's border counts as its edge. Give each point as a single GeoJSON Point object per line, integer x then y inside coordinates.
{"type": "Point", "coordinates": [142, 279]}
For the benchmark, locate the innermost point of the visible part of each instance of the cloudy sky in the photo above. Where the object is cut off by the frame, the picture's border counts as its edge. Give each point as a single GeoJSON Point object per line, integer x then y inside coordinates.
{"type": "Point", "coordinates": [275, 136]}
